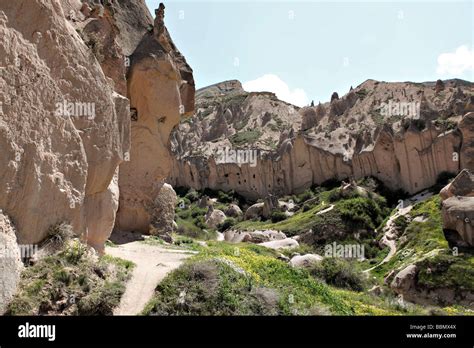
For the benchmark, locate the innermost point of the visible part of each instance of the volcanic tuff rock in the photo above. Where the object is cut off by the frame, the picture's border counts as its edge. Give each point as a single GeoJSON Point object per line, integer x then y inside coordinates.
{"type": "Point", "coordinates": [163, 222]}
{"type": "Point", "coordinates": [214, 217]}
{"type": "Point", "coordinates": [56, 166]}
{"type": "Point", "coordinates": [161, 89]}
{"type": "Point", "coordinates": [458, 206]}
{"type": "Point", "coordinates": [64, 72]}
{"type": "Point", "coordinates": [405, 134]}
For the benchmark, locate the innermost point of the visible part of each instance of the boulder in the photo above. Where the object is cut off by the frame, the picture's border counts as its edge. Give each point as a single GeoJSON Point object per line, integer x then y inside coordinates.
{"type": "Point", "coordinates": [458, 206]}
{"type": "Point", "coordinates": [233, 211]}
{"type": "Point", "coordinates": [254, 236]}
{"type": "Point", "coordinates": [462, 185]}
{"type": "Point", "coordinates": [254, 211]}
{"type": "Point", "coordinates": [305, 261]}
{"type": "Point", "coordinates": [163, 223]}
{"type": "Point", "coordinates": [287, 243]}
{"type": "Point", "coordinates": [404, 281]}
{"type": "Point", "coordinates": [214, 217]}
{"type": "Point", "coordinates": [466, 126]}
{"type": "Point", "coordinates": [458, 215]}
{"type": "Point", "coordinates": [270, 204]}
{"type": "Point", "coordinates": [204, 202]}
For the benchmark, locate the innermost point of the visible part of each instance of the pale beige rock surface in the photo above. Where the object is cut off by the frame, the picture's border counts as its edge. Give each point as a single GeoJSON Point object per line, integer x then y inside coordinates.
{"type": "Point", "coordinates": [286, 243]}
{"type": "Point", "coordinates": [163, 222]}
{"type": "Point", "coordinates": [161, 89]}
{"type": "Point", "coordinates": [10, 262]}
{"type": "Point", "coordinates": [348, 137]}
{"type": "Point", "coordinates": [305, 261]}
{"type": "Point", "coordinates": [54, 163]}
{"type": "Point", "coordinates": [214, 217]}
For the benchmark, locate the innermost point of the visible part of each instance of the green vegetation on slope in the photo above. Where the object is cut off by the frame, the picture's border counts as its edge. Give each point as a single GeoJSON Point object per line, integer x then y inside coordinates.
{"type": "Point", "coordinates": [423, 243]}
{"type": "Point", "coordinates": [71, 282]}
{"type": "Point", "coordinates": [246, 279]}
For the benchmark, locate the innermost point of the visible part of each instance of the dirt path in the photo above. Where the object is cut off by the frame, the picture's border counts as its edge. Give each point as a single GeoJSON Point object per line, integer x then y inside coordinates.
{"type": "Point", "coordinates": [153, 262]}
{"type": "Point", "coordinates": [389, 237]}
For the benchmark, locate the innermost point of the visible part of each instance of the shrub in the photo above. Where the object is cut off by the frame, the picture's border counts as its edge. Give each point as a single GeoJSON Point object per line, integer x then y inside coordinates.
{"type": "Point", "coordinates": [228, 223]}
{"type": "Point", "coordinates": [401, 223]}
{"type": "Point", "coordinates": [334, 195]}
{"type": "Point", "coordinates": [58, 235]}
{"type": "Point", "coordinates": [303, 197]}
{"type": "Point", "coordinates": [361, 212]}
{"type": "Point", "coordinates": [339, 273]}
{"type": "Point", "coordinates": [225, 197]}
{"type": "Point", "coordinates": [245, 137]}
{"type": "Point", "coordinates": [192, 195]}
{"type": "Point", "coordinates": [278, 216]}
{"type": "Point", "coordinates": [196, 212]}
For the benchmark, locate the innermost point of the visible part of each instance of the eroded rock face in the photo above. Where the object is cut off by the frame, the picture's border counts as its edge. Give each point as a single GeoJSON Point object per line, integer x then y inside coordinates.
{"type": "Point", "coordinates": [59, 158]}
{"type": "Point", "coordinates": [348, 137]}
{"type": "Point", "coordinates": [458, 215]}
{"type": "Point", "coordinates": [462, 185]}
{"type": "Point", "coordinates": [467, 149]}
{"type": "Point", "coordinates": [458, 206]}
{"type": "Point", "coordinates": [404, 281]}
{"type": "Point", "coordinates": [10, 262]}
{"type": "Point", "coordinates": [161, 89]}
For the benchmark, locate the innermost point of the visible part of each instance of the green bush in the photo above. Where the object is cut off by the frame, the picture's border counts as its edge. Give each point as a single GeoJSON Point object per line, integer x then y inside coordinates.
{"type": "Point", "coordinates": [305, 196]}
{"type": "Point", "coordinates": [228, 223]}
{"type": "Point", "coordinates": [278, 216]}
{"type": "Point", "coordinates": [339, 273]}
{"type": "Point", "coordinates": [211, 287]}
{"type": "Point", "coordinates": [192, 195]}
{"type": "Point", "coordinates": [361, 212]}
{"type": "Point", "coordinates": [197, 212]}
{"type": "Point", "coordinates": [245, 137]}
{"type": "Point", "coordinates": [401, 223]}
{"type": "Point", "coordinates": [70, 282]}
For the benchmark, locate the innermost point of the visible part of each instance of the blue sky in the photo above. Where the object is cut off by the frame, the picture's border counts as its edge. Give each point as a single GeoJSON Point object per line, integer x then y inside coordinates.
{"type": "Point", "coordinates": [304, 51]}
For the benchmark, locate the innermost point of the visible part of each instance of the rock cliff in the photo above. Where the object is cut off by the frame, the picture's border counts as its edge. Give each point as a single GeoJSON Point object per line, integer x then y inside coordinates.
{"type": "Point", "coordinates": [405, 134]}
{"type": "Point", "coordinates": [71, 73]}
{"type": "Point", "coordinates": [63, 129]}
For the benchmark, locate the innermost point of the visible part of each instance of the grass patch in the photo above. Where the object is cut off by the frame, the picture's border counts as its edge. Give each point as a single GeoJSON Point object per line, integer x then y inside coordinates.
{"type": "Point", "coordinates": [247, 279]}
{"type": "Point", "coordinates": [245, 137]}
{"type": "Point", "coordinates": [71, 282]}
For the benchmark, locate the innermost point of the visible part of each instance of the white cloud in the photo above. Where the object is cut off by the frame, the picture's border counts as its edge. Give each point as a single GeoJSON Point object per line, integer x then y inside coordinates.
{"type": "Point", "coordinates": [455, 63]}
{"type": "Point", "coordinates": [272, 83]}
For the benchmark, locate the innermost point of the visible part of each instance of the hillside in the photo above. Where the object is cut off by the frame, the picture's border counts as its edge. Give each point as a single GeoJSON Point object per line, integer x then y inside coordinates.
{"type": "Point", "coordinates": [404, 134]}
